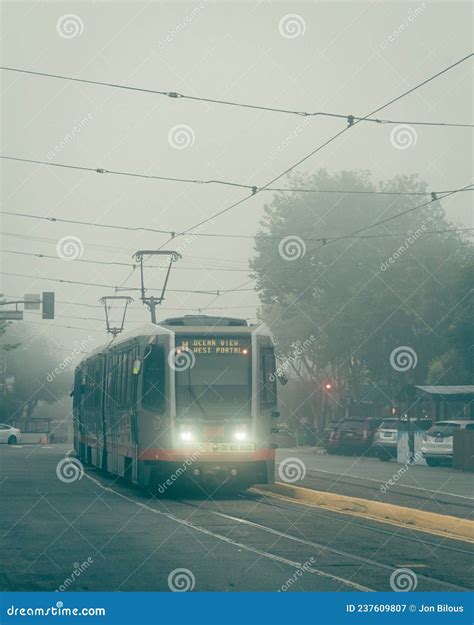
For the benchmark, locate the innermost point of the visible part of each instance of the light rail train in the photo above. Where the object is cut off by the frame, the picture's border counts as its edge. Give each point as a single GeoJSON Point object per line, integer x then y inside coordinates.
{"type": "Point", "coordinates": [191, 399]}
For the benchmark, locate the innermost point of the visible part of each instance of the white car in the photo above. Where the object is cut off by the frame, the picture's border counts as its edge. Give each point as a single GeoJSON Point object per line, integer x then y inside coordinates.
{"type": "Point", "coordinates": [437, 444]}
{"type": "Point", "coordinates": [9, 434]}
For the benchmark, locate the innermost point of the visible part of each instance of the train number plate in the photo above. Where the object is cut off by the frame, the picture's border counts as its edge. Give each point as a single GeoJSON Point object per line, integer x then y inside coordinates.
{"type": "Point", "coordinates": [228, 447]}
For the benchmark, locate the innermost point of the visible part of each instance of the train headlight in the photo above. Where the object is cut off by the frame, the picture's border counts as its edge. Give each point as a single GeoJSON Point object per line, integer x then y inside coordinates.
{"type": "Point", "coordinates": [186, 435]}
{"type": "Point", "coordinates": [240, 435]}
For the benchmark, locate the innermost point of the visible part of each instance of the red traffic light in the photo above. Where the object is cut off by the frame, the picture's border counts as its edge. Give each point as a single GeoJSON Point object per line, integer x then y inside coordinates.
{"type": "Point", "coordinates": [328, 386]}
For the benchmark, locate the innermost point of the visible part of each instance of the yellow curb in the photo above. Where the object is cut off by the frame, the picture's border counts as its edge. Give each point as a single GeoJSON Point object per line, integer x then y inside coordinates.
{"type": "Point", "coordinates": [438, 524]}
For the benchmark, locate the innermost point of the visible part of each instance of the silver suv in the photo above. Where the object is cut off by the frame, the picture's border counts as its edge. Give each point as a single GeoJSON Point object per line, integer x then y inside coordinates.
{"type": "Point", "coordinates": [385, 437]}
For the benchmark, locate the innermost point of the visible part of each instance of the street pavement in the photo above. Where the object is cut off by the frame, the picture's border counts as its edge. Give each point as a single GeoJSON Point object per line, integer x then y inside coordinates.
{"type": "Point", "coordinates": [119, 538]}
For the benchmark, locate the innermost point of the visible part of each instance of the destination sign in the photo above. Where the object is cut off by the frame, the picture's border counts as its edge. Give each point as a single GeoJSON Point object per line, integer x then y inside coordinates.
{"type": "Point", "coordinates": [219, 346]}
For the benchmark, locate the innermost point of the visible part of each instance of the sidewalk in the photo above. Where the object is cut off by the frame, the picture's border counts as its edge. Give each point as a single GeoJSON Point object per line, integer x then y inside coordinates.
{"type": "Point", "coordinates": [436, 489]}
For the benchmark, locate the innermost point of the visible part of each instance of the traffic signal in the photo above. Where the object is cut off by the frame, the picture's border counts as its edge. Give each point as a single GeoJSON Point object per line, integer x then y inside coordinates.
{"type": "Point", "coordinates": [328, 385]}
{"type": "Point", "coordinates": [47, 302]}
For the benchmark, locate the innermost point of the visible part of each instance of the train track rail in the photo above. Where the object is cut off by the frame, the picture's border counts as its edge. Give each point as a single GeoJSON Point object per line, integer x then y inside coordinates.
{"type": "Point", "coordinates": [227, 534]}
{"type": "Point", "coordinates": [363, 561]}
{"type": "Point", "coordinates": [310, 511]}
{"type": "Point", "coordinates": [295, 564]}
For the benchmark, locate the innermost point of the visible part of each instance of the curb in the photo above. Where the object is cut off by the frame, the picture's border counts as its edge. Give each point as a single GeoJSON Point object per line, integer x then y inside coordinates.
{"type": "Point", "coordinates": [440, 524]}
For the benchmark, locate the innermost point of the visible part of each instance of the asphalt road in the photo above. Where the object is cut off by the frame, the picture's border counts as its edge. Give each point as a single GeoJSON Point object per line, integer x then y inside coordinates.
{"type": "Point", "coordinates": [443, 490]}
{"type": "Point", "coordinates": [117, 538]}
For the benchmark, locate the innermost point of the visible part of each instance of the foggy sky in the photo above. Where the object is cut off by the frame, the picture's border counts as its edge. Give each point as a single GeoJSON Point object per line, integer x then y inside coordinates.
{"type": "Point", "coordinates": [343, 62]}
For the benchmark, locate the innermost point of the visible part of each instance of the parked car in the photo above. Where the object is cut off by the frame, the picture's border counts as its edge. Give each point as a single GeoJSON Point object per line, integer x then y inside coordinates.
{"type": "Point", "coordinates": [437, 445]}
{"type": "Point", "coordinates": [284, 438]}
{"type": "Point", "coordinates": [326, 435]}
{"type": "Point", "coordinates": [385, 437]}
{"type": "Point", "coordinates": [9, 434]}
{"type": "Point", "coordinates": [353, 435]}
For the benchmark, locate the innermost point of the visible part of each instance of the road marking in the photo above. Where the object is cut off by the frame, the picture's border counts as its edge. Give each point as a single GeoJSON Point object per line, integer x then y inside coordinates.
{"type": "Point", "coordinates": [265, 554]}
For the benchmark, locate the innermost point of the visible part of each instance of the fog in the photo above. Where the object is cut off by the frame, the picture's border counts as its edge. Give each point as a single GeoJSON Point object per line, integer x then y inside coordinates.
{"type": "Point", "coordinates": [351, 58]}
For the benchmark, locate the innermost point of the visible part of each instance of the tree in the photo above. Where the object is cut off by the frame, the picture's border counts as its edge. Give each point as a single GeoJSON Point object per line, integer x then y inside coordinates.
{"type": "Point", "coordinates": [32, 360]}
{"type": "Point", "coordinates": [362, 298]}
{"type": "Point", "coordinates": [456, 365]}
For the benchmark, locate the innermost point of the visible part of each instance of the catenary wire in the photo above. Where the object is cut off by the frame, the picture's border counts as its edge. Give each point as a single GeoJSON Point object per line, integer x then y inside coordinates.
{"type": "Point", "coordinates": [254, 188]}
{"type": "Point", "coordinates": [217, 234]}
{"type": "Point", "coordinates": [325, 143]}
{"type": "Point", "coordinates": [176, 95]}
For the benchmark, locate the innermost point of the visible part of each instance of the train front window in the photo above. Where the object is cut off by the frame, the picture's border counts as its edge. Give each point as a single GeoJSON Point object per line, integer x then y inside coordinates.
{"type": "Point", "coordinates": [213, 381]}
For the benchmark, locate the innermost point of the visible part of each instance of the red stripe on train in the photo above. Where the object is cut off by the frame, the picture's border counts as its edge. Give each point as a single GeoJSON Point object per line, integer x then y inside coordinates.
{"type": "Point", "coordinates": [180, 455]}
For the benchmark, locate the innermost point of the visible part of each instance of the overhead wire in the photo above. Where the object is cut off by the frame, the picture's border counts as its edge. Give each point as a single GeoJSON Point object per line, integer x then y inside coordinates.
{"type": "Point", "coordinates": [325, 143]}
{"type": "Point", "coordinates": [109, 286]}
{"type": "Point", "coordinates": [216, 234]}
{"type": "Point", "coordinates": [351, 119]}
{"type": "Point", "coordinates": [352, 122]}
{"type": "Point", "coordinates": [254, 188]}
{"type": "Point", "coordinates": [113, 263]}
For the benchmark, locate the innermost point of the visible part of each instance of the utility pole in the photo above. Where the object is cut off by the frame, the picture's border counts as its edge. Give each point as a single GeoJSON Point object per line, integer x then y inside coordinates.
{"type": "Point", "coordinates": [152, 301]}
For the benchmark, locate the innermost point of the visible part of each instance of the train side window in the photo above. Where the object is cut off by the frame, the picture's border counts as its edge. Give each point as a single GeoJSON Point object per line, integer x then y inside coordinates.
{"type": "Point", "coordinates": [79, 388]}
{"type": "Point", "coordinates": [267, 378]}
{"type": "Point", "coordinates": [123, 389]}
{"type": "Point", "coordinates": [114, 381]}
{"type": "Point", "coordinates": [153, 393]}
{"type": "Point", "coordinates": [96, 389]}
{"type": "Point", "coordinates": [118, 397]}
{"type": "Point", "coordinates": [127, 378]}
